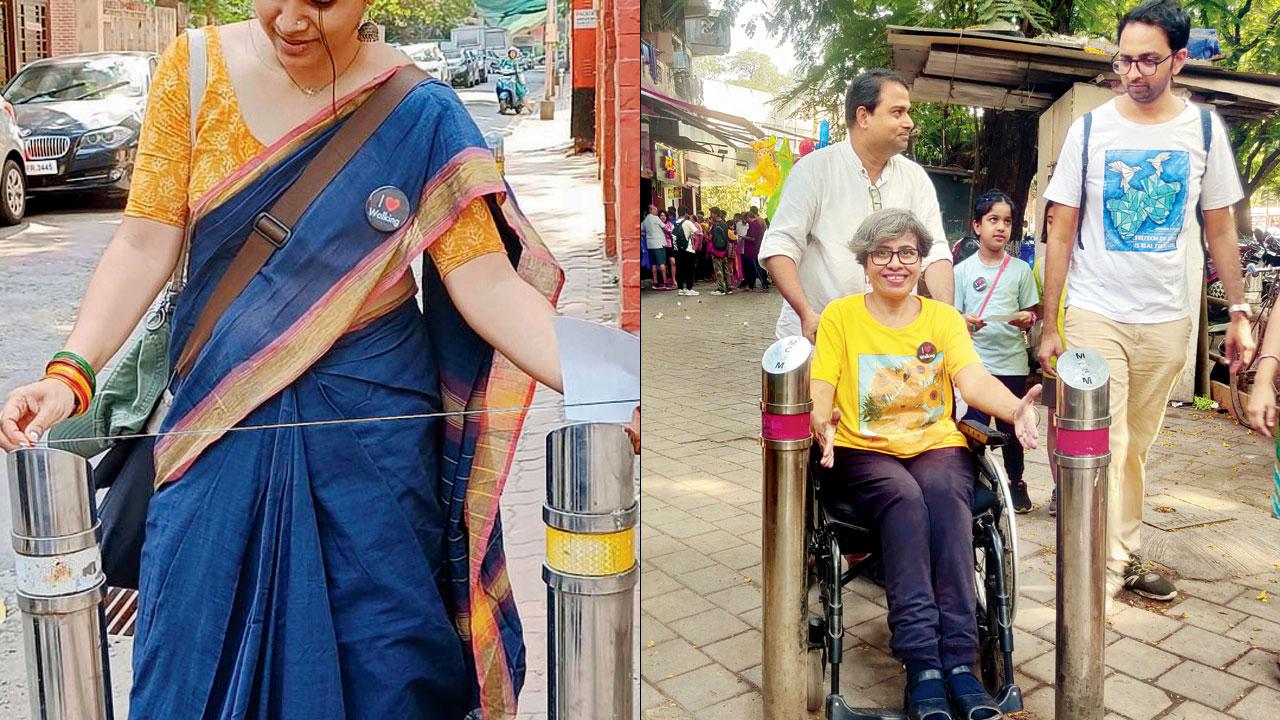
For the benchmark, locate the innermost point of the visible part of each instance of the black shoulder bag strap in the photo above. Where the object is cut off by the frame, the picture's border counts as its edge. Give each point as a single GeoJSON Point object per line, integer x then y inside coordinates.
{"type": "Point", "coordinates": [1084, 179]}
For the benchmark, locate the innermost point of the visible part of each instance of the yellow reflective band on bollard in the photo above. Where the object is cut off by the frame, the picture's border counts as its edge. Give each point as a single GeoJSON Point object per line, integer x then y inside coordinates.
{"type": "Point", "coordinates": [590, 554]}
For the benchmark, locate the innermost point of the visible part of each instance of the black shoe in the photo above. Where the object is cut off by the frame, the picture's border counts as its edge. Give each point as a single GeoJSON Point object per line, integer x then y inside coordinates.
{"type": "Point", "coordinates": [928, 708]}
{"type": "Point", "coordinates": [1142, 579]}
{"type": "Point", "coordinates": [1021, 501]}
{"type": "Point", "coordinates": [1053, 502]}
{"type": "Point", "coordinates": [973, 706]}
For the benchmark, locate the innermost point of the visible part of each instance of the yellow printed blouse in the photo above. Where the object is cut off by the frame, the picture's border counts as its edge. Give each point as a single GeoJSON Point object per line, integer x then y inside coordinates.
{"type": "Point", "coordinates": [893, 385]}
{"type": "Point", "coordinates": [170, 175]}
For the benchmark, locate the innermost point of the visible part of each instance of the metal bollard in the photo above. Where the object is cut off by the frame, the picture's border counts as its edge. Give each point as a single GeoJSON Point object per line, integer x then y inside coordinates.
{"type": "Point", "coordinates": [59, 569]}
{"type": "Point", "coordinates": [590, 571]}
{"type": "Point", "coordinates": [785, 441]}
{"type": "Point", "coordinates": [1082, 454]}
{"type": "Point", "coordinates": [497, 145]}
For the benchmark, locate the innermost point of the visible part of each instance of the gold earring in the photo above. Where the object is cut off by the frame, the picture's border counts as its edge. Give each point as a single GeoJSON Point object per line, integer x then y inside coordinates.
{"type": "Point", "coordinates": [368, 31]}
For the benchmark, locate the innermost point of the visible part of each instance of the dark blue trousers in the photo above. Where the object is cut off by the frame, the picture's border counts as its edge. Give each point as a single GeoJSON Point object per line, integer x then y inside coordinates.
{"type": "Point", "coordinates": [922, 505]}
{"type": "Point", "coordinates": [1014, 464]}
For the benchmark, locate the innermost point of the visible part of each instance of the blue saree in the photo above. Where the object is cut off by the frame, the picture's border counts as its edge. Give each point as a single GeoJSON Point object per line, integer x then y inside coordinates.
{"type": "Point", "coordinates": [338, 570]}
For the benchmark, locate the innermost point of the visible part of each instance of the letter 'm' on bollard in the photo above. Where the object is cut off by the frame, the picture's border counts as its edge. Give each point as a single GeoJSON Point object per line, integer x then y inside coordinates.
{"type": "Point", "coordinates": [59, 569]}
{"type": "Point", "coordinates": [785, 441]}
{"type": "Point", "coordinates": [1082, 454]}
{"type": "Point", "coordinates": [590, 571]}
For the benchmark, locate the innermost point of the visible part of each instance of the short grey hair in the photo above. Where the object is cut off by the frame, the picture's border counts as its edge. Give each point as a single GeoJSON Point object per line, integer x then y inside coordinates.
{"type": "Point", "coordinates": [888, 224]}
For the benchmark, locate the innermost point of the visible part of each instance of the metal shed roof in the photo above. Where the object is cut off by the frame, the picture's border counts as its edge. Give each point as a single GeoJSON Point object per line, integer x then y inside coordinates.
{"type": "Point", "coordinates": [992, 70]}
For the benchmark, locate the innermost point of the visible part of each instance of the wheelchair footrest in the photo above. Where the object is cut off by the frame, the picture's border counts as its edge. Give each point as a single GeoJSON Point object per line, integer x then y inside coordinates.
{"type": "Point", "coordinates": [1009, 699]}
{"type": "Point", "coordinates": [838, 709]}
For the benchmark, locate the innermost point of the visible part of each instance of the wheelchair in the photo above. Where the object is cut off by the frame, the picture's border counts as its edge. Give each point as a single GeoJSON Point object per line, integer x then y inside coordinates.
{"type": "Point", "coordinates": [839, 528]}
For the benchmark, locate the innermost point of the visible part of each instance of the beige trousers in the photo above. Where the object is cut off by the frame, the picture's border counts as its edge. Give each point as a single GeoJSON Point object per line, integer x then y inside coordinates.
{"type": "Point", "coordinates": [1145, 362]}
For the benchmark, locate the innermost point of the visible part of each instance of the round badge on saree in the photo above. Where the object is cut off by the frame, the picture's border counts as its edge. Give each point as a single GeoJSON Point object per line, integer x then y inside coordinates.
{"type": "Point", "coordinates": [387, 208]}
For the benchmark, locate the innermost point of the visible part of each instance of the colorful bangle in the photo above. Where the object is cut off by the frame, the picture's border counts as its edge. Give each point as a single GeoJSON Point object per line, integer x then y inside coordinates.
{"type": "Point", "coordinates": [74, 380]}
{"type": "Point", "coordinates": [80, 363]}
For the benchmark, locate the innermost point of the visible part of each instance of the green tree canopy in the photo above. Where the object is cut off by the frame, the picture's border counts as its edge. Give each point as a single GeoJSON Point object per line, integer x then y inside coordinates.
{"type": "Point", "coordinates": [410, 21]}
{"type": "Point", "coordinates": [747, 68]}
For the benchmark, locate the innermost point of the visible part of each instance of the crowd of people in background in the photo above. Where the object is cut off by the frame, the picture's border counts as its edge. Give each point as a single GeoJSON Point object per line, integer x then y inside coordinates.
{"type": "Point", "coordinates": [682, 247]}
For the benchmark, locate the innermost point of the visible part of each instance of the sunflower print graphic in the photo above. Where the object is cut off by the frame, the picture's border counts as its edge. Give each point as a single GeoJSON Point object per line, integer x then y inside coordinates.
{"type": "Point", "coordinates": [900, 396]}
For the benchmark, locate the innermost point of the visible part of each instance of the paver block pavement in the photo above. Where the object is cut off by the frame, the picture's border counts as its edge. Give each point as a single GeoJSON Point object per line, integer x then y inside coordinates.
{"type": "Point", "coordinates": [1192, 710]}
{"type": "Point", "coordinates": [708, 627]}
{"type": "Point", "coordinates": [1138, 659]}
{"type": "Point", "coordinates": [1203, 684]}
{"type": "Point", "coordinates": [1210, 615]}
{"type": "Point", "coordinates": [1261, 704]}
{"type": "Point", "coordinates": [1134, 698]}
{"type": "Point", "coordinates": [1257, 632]}
{"type": "Point", "coordinates": [675, 605]}
{"type": "Point", "coordinates": [1203, 646]}
{"type": "Point", "coordinates": [1144, 625]}
{"type": "Point", "coordinates": [744, 707]}
{"type": "Point", "coordinates": [739, 652]}
{"type": "Point", "coordinates": [708, 465]}
{"type": "Point", "coordinates": [705, 686]}
{"type": "Point", "coordinates": [669, 659]}
{"type": "Point", "coordinates": [1258, 666]}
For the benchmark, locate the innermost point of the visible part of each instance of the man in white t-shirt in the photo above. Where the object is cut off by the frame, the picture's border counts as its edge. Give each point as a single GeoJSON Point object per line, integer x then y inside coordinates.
{"type": "Point", "coordinates": [831, 191]}
{"type": "Point", "coordinates": [1125, 270]}
{"type": "Point", "coordinates": [655, 239]}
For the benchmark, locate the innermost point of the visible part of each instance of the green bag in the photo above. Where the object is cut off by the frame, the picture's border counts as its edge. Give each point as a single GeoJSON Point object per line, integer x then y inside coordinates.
{"type": "Point", "coordinates": [126, 402]}
{"type": "Point", "coordinates": [128, 397]}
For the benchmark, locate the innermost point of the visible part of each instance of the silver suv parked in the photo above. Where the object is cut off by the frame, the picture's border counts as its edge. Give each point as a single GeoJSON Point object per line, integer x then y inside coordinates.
{"type": "Point", "coordinates": [13, 178]}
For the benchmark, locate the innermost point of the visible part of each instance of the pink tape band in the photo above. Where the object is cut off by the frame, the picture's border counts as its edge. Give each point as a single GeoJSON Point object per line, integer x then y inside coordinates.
{"type": "Point", "coordinates": [1083, 442]}
{"type": "Point", "coordinates": [784, 427]}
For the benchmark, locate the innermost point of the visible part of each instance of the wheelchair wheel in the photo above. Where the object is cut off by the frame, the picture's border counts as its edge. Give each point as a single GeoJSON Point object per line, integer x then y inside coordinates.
{"type": "Point", "coordinates": [992, 473]}
{"type": "Point", "coordinates": [815, 691]}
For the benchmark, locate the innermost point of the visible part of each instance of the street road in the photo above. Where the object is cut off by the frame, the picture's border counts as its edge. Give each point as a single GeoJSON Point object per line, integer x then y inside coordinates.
{"type": "Point", "coordinates": [45, 265]}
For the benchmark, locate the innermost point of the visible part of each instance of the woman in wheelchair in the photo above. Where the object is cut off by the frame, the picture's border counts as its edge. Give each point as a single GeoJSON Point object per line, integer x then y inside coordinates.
{"type": "Point", "coordinates": [882, 377]}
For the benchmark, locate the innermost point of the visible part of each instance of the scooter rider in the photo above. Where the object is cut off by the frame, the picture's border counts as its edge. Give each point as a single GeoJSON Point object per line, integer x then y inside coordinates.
{"type": "Point", "coordinates": [511, 67]}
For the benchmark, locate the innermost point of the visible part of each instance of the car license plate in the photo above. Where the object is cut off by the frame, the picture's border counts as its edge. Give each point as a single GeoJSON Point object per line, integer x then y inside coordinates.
{"type": "Point", "coordinates": [42, 167]}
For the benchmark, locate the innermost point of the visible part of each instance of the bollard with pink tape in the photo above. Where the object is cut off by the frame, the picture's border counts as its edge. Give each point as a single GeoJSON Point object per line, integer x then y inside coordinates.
{"type": "Point", "coordinates": [785, 441]}
{"type": "Point", "coordinates": [1082, 454]}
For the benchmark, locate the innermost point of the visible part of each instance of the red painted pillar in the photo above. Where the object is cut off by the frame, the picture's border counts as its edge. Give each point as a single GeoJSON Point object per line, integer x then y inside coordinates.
{"type": "Point", "coordinates": [582, 118]}
{"type": "Point", "coordinates": [628, 158]}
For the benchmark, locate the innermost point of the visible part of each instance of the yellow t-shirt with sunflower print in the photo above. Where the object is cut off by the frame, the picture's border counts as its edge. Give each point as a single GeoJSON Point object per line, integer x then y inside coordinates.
{"type": "Point", "coordinates": [893, 385]}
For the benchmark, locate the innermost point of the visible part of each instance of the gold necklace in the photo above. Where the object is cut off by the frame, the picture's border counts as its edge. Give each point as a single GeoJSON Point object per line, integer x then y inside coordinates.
{"type": "Point", "coordinates": [305, 90]}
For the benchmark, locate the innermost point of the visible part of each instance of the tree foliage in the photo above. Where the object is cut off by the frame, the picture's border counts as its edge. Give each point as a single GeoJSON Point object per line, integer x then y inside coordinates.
{"type": "Point", "coordinates": [410, 21]}
{"type": "Point", "coordinates": [747, 68]}
{"type": "Point", "coordinates": [732, 199]}
{"type": "Point", "coordinates": [221, 12]}
{"type": "Point", "coordinates": [406, 20]}
{"type": "Point", "coordinates": [836, 39]}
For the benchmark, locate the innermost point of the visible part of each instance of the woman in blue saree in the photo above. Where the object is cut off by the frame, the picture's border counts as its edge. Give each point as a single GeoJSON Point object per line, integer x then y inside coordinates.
{"type": "Point", "coordinates": [322, 570]}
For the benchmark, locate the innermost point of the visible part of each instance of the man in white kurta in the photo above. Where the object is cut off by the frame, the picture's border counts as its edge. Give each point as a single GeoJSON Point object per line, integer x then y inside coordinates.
{"type": "Point", "coordinates": [829, 193]}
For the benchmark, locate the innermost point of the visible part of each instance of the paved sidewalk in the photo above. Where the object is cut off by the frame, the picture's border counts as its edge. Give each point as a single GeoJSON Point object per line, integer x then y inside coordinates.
{"type": "Point", "coordinates": [562, 198]}
{"type": "Point", "coordinates": [1209, 654]}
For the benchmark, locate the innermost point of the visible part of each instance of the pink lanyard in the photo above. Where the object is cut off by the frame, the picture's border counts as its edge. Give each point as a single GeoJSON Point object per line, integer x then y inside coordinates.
{"type": "Point", "coordinates": [990, 292]}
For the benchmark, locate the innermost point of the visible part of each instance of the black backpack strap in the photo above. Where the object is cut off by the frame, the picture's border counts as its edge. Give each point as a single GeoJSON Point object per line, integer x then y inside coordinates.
{"type": "Point", "coordinates": [1206, 129]}
{"type": "Point", "coordinates": [1084, 178]}
{"type": "Point", "coordinates": [1206, 132]}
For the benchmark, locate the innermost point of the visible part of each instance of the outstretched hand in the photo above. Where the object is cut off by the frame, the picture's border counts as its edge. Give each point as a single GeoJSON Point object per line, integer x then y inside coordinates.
{"type": "Point", "coordinates": [1025, 422]}
{"type": "Point", "coordinates": [824, 431]}
{"type": "Point", "coordinates": [31, 410]}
